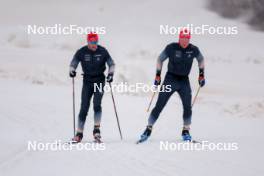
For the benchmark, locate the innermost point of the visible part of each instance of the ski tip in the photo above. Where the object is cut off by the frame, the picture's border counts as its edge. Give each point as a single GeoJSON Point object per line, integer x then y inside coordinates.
{"type": "Point", "coordinates": [196, 142]}
{"type": "Point", "coordinates": [98, 142]}
{"type": "Point", "coordinates": [140, 141]}
{"type": "Point", "coordinates": [73, 142]}
{"type": "Point", "coordinates": [68, 143]}
{"type": "Point", "coordinates": [193, 141]}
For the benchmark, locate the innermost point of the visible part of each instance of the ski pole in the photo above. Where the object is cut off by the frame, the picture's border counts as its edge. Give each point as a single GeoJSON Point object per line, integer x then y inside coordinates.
{"type": "Point", "coordinates": [115, 111]}
{"type": "Point", "coordinates": [152, 97]}
{"type": "Point", "coordinates": [196, 95]}
{"type": "Point", "coordinates": [73, 105]}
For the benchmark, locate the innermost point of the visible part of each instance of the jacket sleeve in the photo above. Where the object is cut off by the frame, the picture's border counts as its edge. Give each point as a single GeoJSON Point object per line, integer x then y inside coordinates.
{"type": "Point", "coordinates": [200, 59]}
{"type": "Point", "coordinates": [110, 62]}
{"type": "Point", "coordinates": [162, 57]}
{"type": "Point", "coordinates": [75, 61]}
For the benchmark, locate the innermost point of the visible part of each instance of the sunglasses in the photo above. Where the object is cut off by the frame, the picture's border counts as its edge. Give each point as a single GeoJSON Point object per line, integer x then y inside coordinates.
{"type": "Point", "coordinates": [93, 42]}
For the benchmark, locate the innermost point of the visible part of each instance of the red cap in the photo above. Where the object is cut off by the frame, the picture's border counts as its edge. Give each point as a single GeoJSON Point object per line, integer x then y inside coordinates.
{"type": "Point", "coordinates": [92, 37]}
{"type": "Point", "coordinates": [185, 33]}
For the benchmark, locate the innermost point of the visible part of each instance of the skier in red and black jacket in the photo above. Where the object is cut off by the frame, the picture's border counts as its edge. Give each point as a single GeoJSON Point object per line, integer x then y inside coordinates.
{"type": "Point", "coordinates": [180, 57]}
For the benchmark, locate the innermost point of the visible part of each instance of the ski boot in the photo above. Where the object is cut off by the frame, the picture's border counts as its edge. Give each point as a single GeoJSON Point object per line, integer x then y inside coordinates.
{"type": "Point", "coordinates": [186, 134]}
{"type": "Point", "coordinates": [77, 138]}
{"type": "Point", "coordinates": [145, 135]}
{"type": "Point", "coordinates": [96, 134]}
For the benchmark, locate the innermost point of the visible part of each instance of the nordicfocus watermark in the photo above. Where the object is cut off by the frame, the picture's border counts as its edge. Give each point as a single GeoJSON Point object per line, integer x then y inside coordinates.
{"type": "Point", "coordinates": [199, 30]}
{"type": "Point", "coordinates": [124, 87]}
{"type": "Point", "coordinates": [59, 29]}
{"type": "Point", "coordinates": [198, 146]}
{"type": "Point", "coordinates": [60, 146]}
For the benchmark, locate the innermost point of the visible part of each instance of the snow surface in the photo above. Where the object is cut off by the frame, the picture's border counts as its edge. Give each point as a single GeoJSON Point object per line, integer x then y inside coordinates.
{"type": "Point", "coordinates": [36, 92]}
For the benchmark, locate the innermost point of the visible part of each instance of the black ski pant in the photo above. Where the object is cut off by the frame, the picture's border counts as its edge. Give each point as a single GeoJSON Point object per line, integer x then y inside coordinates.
{"type": "Point", "coordinates": [90, 90]}
{"type": "Point", "coordinates": [181, 85]}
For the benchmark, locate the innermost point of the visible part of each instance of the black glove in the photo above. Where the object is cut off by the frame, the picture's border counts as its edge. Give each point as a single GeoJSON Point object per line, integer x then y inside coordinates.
{"type": "Point", "coordinates": [109, 77]}
{"type": "Point", "coordinates": [72, 73]}
{"type": "Point", "coordinates": [201, 79]}
{"type": "Point", "coordinates": [157, 78]}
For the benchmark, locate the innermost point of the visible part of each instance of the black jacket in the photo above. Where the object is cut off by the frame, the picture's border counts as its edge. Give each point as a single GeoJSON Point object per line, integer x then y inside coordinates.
{"type": "Point", "coordinates": [93, 63]}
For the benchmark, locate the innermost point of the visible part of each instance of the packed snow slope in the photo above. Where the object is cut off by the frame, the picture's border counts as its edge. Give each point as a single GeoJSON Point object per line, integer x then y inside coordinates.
{"type": "Point", "coordinates": [36, 102]}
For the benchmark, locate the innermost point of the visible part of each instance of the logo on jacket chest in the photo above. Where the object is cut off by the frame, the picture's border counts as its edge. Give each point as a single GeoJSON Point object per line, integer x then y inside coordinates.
{"type": "Point", "coordinates": [89, 57]}
{"type": "Point", "coordinates": [189, 54]}
{"type": "Point", "coordinates": [97, 57]}
{"type": "Point", "coordinates": [178, 53]}
{"type": "Point", "coordinates": [183, 55]}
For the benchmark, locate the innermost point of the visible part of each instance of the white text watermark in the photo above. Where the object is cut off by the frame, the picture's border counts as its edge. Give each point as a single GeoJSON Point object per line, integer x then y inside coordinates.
{"type": "Point", "coordinates": [64, 146]}
{"type": "Point", "coordinates": [59, 29]}
{"type": "Point", "coordinates": [198, 146]}
{"type": "Point", "coordinates": [199, 30]}
{"type": "Point", "coordinates": [124, 87]}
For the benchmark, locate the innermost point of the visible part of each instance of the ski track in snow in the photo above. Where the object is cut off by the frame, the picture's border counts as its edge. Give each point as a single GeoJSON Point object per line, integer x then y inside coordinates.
{"type": "Point", "coordinates": [124, 157]}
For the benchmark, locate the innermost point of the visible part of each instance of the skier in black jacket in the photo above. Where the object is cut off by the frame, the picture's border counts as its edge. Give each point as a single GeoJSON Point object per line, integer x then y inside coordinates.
{"type": "Point", "coordinates": [181, 57]}
{"type": "Point", "coordinates": [93, 59]}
